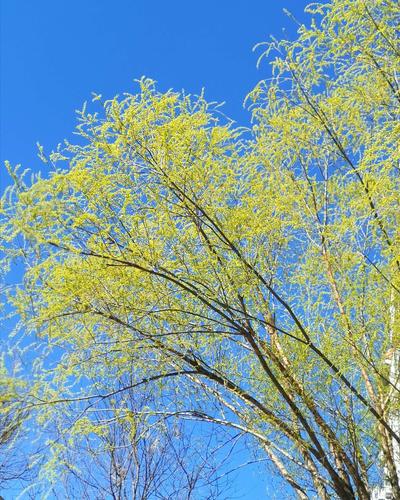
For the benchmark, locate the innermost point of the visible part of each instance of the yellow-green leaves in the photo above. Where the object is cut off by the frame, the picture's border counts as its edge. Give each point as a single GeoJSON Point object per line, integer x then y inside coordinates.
{"type": "Point", "coordinates": [242, 277]}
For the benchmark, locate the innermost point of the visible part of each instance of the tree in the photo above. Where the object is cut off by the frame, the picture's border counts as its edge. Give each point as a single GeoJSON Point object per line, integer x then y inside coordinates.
{"type": "Point", "coordinates": [13, 463]}
{"type": "Point", "coordinates": [247, 278]}
{"type": "Point", "coordinates": [114, 454]}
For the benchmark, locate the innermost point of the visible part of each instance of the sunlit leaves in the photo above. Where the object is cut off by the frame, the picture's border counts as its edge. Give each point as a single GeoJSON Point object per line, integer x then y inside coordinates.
{"type": "Point", "coordinates": [241, 276]}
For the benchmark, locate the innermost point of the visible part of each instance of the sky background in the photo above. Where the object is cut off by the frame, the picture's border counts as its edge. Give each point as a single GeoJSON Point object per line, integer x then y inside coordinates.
{"type": "Point", "coordinates": [54, 53]}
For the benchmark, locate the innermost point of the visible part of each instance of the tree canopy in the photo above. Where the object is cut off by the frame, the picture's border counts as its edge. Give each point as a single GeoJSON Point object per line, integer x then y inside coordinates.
{"type": "Point", "coordinates": [247, 278]}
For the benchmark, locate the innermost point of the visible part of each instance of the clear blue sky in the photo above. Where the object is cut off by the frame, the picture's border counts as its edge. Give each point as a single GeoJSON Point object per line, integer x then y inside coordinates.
{"type": "Point", "coordinates": [54, 53]}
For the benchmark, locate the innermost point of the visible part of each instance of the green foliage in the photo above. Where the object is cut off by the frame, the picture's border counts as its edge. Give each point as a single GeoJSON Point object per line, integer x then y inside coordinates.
{"type": "Point", "coordinates": [241, 277]}
{"type": "Point", "coordinates": [13, 463]}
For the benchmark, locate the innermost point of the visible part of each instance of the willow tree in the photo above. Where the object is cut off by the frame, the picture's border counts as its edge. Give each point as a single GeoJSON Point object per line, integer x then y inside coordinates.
{"type": "Point", "coordinates": [14, 465]}
{"type": "Point", "coordinates": [248, 279]}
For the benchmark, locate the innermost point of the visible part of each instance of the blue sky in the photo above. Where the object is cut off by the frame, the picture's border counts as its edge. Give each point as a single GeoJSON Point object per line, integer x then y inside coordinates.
{"type": "Point", "coordinates": [54, 53]}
